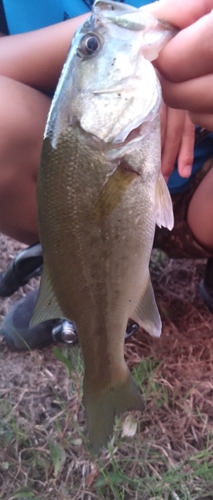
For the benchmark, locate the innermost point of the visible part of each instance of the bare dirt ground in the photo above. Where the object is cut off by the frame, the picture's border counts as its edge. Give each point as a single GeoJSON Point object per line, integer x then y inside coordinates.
{"type": "Point", "coordinates": [36, 393]}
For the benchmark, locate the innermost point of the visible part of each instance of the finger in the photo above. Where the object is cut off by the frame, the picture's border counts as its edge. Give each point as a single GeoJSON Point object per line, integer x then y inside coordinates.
{"type": "Point", "coordinates": [196, 96]}
{"type": "Point", "coordinates": [202, 120]}
{"type": "Point", "coordinates": [174, 130]}
{"type": "Point", "coordinates": [182, 13]}
{"type": "Point", "coordinates": [186, 151]}
{"type": "Point", "coordinates": [190, 53]}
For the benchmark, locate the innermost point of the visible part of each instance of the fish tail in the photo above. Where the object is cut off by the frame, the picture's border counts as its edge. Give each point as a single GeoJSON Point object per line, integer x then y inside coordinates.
{"type": "Point", "coordinates": [102, 406]}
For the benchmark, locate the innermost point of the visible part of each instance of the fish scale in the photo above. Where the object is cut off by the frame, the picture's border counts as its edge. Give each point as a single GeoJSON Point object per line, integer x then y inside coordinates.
{"type": "Point", "coordinates": [100, 193]}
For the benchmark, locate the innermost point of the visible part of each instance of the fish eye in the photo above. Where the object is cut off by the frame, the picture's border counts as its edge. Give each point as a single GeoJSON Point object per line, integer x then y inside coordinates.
{"type": "Point", "coordinates": [90, 43]}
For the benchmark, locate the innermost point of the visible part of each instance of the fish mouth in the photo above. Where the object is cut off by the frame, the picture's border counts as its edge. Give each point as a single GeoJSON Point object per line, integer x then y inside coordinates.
{"type": "Point", "coordinates": [135, 134]}
{"type": "Point", "coordinates": [121, 144]}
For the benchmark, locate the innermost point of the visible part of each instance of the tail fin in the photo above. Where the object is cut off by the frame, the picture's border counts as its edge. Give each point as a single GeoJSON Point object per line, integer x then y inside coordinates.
{"type": "Point", "coordinates": [102, 407]}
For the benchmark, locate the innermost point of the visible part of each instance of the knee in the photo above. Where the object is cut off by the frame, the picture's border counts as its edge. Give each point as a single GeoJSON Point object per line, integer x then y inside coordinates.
{"type": "Point", "coordinates": [200, 212]}
{"type": "Point", "coordinates": [23, 116]}
{"type": "Point", "coordinates": [22, 121]}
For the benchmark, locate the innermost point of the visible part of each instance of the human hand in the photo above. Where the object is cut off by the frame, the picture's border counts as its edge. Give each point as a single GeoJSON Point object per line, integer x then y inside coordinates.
{"type": "Point", "coordinates": [186, 63]}
{"type": "Point", "coordinates": [181, 13]}
{"type": "Point", "coordinates": [177, 142]}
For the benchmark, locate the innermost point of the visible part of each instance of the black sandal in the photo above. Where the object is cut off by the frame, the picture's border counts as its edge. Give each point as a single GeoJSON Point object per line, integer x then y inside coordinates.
{"type": "Point", "coordinates": [26, 265]}
{"type": "Point", "coordinates": [15, 328]}
{"type": "Point", "coordinates": [206, 285]}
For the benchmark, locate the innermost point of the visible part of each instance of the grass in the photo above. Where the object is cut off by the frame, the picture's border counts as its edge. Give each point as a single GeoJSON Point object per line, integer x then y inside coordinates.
{"type": "Point", "coordinates": [50, 460]}
{"type": "Point", "coordinates": [44, 453]}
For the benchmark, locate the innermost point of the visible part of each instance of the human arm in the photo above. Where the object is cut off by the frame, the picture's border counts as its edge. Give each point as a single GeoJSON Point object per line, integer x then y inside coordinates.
{"type": "Point", "coordinates": [36, 58]}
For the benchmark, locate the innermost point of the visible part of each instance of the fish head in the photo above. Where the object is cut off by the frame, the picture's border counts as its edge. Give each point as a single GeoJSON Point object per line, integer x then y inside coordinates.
{"type": "Point", "coordinates": [109, 87]}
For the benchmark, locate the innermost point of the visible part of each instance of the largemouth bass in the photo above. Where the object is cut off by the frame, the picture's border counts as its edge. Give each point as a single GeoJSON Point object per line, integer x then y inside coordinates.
{"type": "Point", "coordinates": [100, 194]}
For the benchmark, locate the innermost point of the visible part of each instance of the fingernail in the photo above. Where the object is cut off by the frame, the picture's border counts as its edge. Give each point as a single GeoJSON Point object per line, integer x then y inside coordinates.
{"type": "Point", "coordinates": [186, 172]}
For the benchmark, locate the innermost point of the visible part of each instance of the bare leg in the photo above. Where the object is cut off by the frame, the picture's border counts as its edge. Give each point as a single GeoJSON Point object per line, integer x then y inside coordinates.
{"type": "Point", "coordinates": [200, 212]}
{"type": "Point", "coordinates": [22, 121]}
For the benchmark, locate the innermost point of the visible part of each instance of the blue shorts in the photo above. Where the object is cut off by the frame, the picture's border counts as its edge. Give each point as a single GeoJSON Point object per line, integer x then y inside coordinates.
{"type": "Point", "coordinates": [29, 15]}
{"type": "Point", "coordinates": [202, 153]}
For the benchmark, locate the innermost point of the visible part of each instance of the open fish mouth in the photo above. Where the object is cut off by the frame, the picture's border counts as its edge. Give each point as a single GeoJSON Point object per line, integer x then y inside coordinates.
{"type": "Point", "coordinates": [131, 114]}
{"type": "Point", "coordinates": [121, 144]}
{"type": "Point", "coordinates": [133, 132]}
{"type": "Point", "coordinates": [134, 135]}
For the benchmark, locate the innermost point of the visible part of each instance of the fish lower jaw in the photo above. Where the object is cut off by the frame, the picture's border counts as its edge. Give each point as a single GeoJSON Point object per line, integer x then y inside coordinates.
{"type": "Point", "coordinates": [134, 135]}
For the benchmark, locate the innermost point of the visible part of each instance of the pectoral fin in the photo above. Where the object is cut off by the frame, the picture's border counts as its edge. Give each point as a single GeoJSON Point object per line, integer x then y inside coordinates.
{"type": "Point", "coordinates": [164, 207]}
{"type": "Point", "coordinates": [47, 306]}
{"type": "Point", "coordinates": [113, 190]}
{"type": "Point", "coordinates": [146, 313]}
